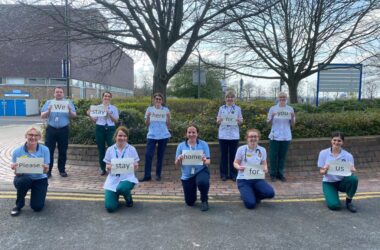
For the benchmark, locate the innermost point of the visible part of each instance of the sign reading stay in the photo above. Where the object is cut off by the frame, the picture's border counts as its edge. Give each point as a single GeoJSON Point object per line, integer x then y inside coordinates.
{"type": "Point", "coordinates": [122, 166]}
{"type": "Point", "coordinates": [98, 111]}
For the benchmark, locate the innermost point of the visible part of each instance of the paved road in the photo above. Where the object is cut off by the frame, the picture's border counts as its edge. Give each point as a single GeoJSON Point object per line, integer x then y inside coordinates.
{"type": "Point", "coordinates": [66, 224]}
{"type": "Point", "coordinates": [19, 120]}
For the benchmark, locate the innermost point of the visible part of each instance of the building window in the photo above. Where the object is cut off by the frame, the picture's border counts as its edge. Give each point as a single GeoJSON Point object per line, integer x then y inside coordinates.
{"type": "Point", "coordinates": [37, 81]}
{"type": "Point", "coordinates": [1, 80]}
{"type": "Point", "coordinates": [57, 81]}
{"type": "Point", "coordinates": [15, 80]}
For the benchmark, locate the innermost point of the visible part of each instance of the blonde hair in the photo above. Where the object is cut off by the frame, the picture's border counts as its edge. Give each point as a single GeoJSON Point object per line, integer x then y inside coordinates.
{"type": "Point", "coordinates": [282, 93]}
{"type": "Point", "coordinates": [230, 93]}
{"type": "Point", "coordinates": [33, 128]}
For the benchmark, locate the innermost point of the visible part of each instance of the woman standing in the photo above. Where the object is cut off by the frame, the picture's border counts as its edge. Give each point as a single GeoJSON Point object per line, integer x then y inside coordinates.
{"type": "Point", "coordinates": [157, 118]}
{"type": "Point", "coordinates": [282, 117]}
{"type": "Point", "coordinates": [105, 128]}
{"type": "Point", "coordinates": [229, 118]}
{"type": "Point", "coordinates": [119, 184]}
{"type": "Point", "coordinates": [37, 183]}
{"type": "Point", "coordinates": [332, 184]}
{"type": "Point", "coordinates": [252, 191]}
{"type": "Point", "coordinates": [196, 175]}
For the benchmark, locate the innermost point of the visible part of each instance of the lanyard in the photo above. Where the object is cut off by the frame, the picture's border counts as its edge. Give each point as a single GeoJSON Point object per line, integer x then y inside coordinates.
{"type": "Point", "coordinates": [123, 152]}
{"type": "Point", "coordinates": [230, 110]}
{"type": "Point", "coordinates": [258, 152]}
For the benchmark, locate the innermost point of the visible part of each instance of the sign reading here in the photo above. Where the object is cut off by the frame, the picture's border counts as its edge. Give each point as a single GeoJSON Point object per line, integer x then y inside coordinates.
{"type": "Point", "coordinates": [192, 157]}
{"type": "Point", "coordinates": [254, 172]}
{"type": "Point", "coordinates": [283, 114]}
{"type": "Point", "coordinates": [229, 119]}
{"type": "Point", "coordinates": [98, 111]}
{"type": "Point", "coordinates": [158, 115]}
{"type": "Point", "coordinates": [59, 106]}
{"type": "Point", "coordinates": [29, 165]}
{"type": "Point", "coordinates": [122, 166]}
{"type": "Point", "coordinates": [341, 168]}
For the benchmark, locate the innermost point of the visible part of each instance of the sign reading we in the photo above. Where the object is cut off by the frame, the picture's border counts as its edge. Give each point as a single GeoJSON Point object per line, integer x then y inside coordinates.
{"type": "Point", "coordinates": [59, 106]}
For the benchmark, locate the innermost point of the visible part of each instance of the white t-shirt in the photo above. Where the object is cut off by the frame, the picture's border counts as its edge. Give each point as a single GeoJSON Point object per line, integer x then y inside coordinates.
{"type": "Point", "coordinates": [249, 156]}
{"type": "Point", "coordinates": [280, 127]}
{"type": "Point", "coordinates": [229, 132]}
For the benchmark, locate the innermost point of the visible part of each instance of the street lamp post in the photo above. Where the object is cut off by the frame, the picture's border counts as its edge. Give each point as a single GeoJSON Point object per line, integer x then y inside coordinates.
{"type": "Point", "coordinates": [67, 54]}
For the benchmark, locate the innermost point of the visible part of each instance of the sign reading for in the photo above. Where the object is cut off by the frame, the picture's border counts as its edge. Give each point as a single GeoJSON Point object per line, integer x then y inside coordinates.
{"type": "Point", "coordinates": [283, 114]}
{"type": "Point", "coordinates": [229, 119]}
{"type": "Point", "coordinates": [29, 165]}
{"type": "Point", "coordinates": [192, 157]}
{"type": "Point", "coordinates": [158, 115]}
{"type": "Point", "coordinates": [254, 172]}
{"type": "Point", "coordinates": [98, 110]}
{"type": "Point", "coordinates": [59, 106]}
{"type": "Point", "coordinates": [341, 168]}
{"type": "Point", "coordinates": [122, 166]}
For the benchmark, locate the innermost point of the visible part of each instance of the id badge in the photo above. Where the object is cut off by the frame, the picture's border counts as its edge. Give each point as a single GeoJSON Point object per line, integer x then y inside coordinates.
{"type": "Point", "coordinates": [192, 171]}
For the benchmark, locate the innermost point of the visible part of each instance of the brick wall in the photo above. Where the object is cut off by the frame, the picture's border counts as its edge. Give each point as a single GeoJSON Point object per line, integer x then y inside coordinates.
{"type": "Point", "coordinates": [301, 160]}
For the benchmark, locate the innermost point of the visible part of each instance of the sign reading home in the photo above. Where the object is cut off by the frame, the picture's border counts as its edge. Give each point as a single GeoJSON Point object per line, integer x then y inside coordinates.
{"type": "Point", "coordinates": [29, 165]}
{"type": "Point", "coordinates": [122, 166]}
{"type": "Point", "coordinates": [192, 157]}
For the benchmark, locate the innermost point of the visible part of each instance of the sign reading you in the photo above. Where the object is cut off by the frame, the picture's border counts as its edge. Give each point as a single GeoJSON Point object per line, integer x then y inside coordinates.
{"type": "Point", "coordinates": [254, 171]}
{"type": "Point", "coordinates": [29, 165]}
{"type": "Point", "coordinates": [283, 114]}
{"type": "Point", "coordinates": [122, 166]}
{"type": "Point", "coordinates": [59, 106]}
{"type": "Point", "coordinates": [192, 157]}
{"type": "Point", "coordinates": [98, 111]}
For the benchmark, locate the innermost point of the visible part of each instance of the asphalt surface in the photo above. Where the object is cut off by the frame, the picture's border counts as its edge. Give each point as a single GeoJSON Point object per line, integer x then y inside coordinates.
{"type": "Point", "coordinates": [65, 224]}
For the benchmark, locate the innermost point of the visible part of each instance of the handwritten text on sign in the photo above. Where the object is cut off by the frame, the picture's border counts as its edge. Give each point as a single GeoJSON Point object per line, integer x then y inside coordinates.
{"type": "Point", "coordinates": [158, 115]}
{"type": "Point", "coordinates": [229, 119]}
{"type": "Point", "coordinates": [283, 114]}
{"type": "Point", "coordinates": [29, 165]}
{"type": "Point", "coordinates": [122, 166]}
{"type": "Point", "coordinates": [98, 110]}
{"type": "Point", "coordinates": [341, 168]}
{"type": "Point", "coordinates": [192, 157]}
{"type": "Point", "coordinates": [254, 172]}
{"type": "Point", "coordinates": [59, 106]}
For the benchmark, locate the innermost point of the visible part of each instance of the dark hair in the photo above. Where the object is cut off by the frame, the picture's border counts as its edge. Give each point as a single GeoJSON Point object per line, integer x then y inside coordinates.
{"type": "Point", "coordinates": [189, 126]}
{"type": "Point", "coordinates": [337, 134]}
{"type": "Point", "coordinates": [252, 130]}
{"type": "Point", "coordinates": [107, 92]}
{"type": "Point", "coordinates": [123, 129]}
{"type": "Point", "coordinates": [58, 87]}
{"type": "Point", "coordinates": [158, 94]}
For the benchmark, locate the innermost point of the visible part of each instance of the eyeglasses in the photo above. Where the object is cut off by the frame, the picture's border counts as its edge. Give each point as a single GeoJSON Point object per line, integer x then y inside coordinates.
{"type": "Point", "coordinates": [33, 135]}
{"type": "Point", "coordinates": [253, 136]}
{"type": "Point", "coordinates": [158, 99]}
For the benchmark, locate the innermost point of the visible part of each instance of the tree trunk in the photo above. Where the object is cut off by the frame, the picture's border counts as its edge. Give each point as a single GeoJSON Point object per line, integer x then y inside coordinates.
{"type": "Point", "coordinates": [293, 91]}
{"type": "Point", "coordinates": [160, 81]}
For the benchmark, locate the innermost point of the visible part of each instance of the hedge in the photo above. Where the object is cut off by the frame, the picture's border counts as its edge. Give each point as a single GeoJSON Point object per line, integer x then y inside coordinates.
{"type": "Point", "coordinates": [352, 117]}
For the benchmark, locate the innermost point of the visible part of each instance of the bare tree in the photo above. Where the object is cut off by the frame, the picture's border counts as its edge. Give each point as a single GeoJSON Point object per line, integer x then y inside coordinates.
{"type": "Point", "coordinates": [295, 36]}
{"type": "Point", "coordinates": [166, 30]}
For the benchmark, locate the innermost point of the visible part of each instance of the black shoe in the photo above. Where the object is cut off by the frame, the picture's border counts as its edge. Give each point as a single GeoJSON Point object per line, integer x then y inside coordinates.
{"type": "Point", "coordinates": [48, 174]}
{"type": "Point", "coordinates": [145, 179]}
{"type": "Point", "coordinates": [233, 179]}
{"type": "Point", "coordinates": [63, 174]}
{"type": "Point", "coordinates": [15, 211]}
{"type": "Point", "coordinates": [204, 206]}
{"type": "Point", "coordinates": [351, 208]}
{"type": "Point", "coordinates": [282, 178]}
{"type": "Point", "coordinates": [158, 178]}
{"type": "Point", "coordinates": [102, 172]}
{"type": "Point", "coordinates": [129, 201]}
{"type": "Point", "coordinates": [224, 178]}
{"type": "Point", "coordinates": [273, 179]}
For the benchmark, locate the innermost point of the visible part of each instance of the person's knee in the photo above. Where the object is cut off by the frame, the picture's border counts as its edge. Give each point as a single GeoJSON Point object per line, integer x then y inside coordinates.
{"type": "Point", "coordinates": [270, 194]}
{"type": "Point", "coordinates": [334, 206]}
{"type": "Point", "coordinates": [37, 208]}
{"type": "Point", "coordinates": [250, 204]}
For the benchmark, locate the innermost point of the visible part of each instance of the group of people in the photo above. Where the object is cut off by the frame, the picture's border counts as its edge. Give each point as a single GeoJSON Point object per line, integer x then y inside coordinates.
{"type": "Point", "coordinates": [113, 144]}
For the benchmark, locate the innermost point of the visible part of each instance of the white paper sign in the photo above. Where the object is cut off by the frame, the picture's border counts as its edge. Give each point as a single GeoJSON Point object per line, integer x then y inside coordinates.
{"type": "Point", "coordinates": [283, 114]}
{"type": "Point", "coordinates": [254, 171]}
{"type": "Point", "coordinates": [59, 106]}
{"type": "Point", "coordinates": [229, 119]}
{"type": "Point", "coordinates": [29, 165]}
{"type": "Point", "coordinates": [158, 115]}
{"type": "Point", "coordinates": [122, 166]}
{"type": "Point", "coordinates": [192, 157]}
{"type": "Point", "coordinates": [341, 168]}
{"type": "Point", "coordinates": [98, 111]}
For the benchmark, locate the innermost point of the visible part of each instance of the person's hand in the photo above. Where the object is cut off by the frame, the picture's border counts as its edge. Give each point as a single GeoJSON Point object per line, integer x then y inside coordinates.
{"type": "Point", "coordinates": [265, 169]}
{"type": "Point", "coordinates": [136, 165]}
{"type": "Point", "coordinates": [45, 168]}
{"type": "Point", "coordinates": [219, 120]}
{"type": "Point", "coordinates": [14, 166]}
{"type": "Point", "coordinates": [179, 159]}
{"type": "Point", "coordinates": [148, 114]}
{"type": "Point", "coordinates": [240, 167]}
{"type": "Point", "coordinates": [108, 167]}
{"type": "Point", "coordinates": [239, 120]}
{"type": "Point", "coordinates": [353, 169]}
{"type": "Point", "coordinates": [325, 168]}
